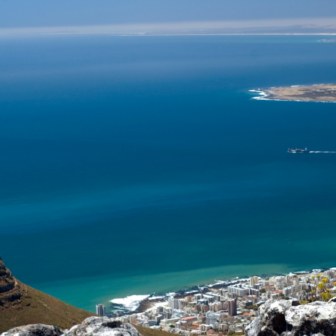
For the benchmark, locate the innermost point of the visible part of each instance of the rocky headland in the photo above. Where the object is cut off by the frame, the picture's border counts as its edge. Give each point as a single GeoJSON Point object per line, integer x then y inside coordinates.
{"type": "Point", "coordinates": [10, 290]}
{"type": "Point", "coordinates": [307, 93]}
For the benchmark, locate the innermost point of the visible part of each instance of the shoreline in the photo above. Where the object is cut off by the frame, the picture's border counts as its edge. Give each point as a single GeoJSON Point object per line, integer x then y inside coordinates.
{"type": "Point", "coordinates": [151, 302]}
{"type": "Point", "coordinates": [229, 307]}
{"type": "Point", "coordinates": [315, 93]}
{"type": "Point", "coordinates": [87, 292]}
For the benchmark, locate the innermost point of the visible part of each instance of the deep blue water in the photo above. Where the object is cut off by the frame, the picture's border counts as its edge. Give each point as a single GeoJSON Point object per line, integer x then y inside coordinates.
{"type": "Point", "coordinates": [145, 159]}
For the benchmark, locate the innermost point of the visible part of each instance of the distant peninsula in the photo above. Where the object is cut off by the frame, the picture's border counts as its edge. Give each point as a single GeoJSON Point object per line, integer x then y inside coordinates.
{"type": "Point", "coordinates": [306, 93]}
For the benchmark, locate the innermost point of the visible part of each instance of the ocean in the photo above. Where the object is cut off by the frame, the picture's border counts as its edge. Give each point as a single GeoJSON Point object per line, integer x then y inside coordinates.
{"type": "Point", "coordinates": [141, 165]}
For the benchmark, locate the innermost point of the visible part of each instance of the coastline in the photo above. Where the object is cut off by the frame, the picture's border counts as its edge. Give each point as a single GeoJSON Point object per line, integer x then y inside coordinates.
{"type": "Point", "coordinates": [262, 94]}
{"type": "Point", "coordinates": [80, 293]}
{"type": "Point", "coordinates": [315, 93]}
{"type": "Point", "coordinates": [86, 293]}
{"type": "Point", "coordinates": [152, 302]}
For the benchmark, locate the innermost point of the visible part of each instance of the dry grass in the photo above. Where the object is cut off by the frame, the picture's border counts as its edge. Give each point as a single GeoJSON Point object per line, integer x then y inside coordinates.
{"type": "Point", "coordinates": [37, 307]}
{"type": "Point", "coordinates": [152, 332]}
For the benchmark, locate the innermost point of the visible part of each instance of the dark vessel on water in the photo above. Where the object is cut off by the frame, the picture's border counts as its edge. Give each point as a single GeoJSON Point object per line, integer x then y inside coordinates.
{"type": "Point", "coordinates": [297, 150]}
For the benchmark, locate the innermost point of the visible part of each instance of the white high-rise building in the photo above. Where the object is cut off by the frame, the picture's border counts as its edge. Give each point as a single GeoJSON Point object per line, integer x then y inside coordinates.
{"type": "Point", "coordinates": [287, 291]}
{"type": "Point", "coordinates": [100, 309]}
{"type": "Point", "coordinates": [239, 290]}
{"type": "Point", "coordinates": [173, 303]}
{"type": "Point", "coordinates": [254, 280]}
{"type": "Point", "coordinates": [242, 290]}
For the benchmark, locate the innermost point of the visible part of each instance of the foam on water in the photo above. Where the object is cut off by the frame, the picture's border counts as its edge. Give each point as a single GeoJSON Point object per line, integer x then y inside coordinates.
{"type": "Point", "coordinates": [129, 303]}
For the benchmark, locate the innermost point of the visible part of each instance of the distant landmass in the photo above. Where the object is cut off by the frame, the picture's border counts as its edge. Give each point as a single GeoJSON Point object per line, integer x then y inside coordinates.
{"type": "Point", "coordinates": [295, 26]}
{"type": "Point", "coordinates": [308, 93]}
{"type": "Point", "coordinates": [21, 305]}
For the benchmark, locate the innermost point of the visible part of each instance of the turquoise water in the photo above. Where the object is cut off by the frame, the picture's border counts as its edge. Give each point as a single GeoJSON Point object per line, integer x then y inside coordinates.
{"type": "Point", "coordinates": [133, 165]}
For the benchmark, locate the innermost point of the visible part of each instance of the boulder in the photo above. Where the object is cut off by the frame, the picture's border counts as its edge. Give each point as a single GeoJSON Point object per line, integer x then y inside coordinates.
{"type": "Point", "coordinates": [271, 320]}
{"type": "Point", "coordinates": [34, 330]}
{"type": "Point", "coordinates": [102, 326]}
{"type": "Point", "coordinates": [92, 326]}
{"type": "Point", "coordinates": [286, 318]}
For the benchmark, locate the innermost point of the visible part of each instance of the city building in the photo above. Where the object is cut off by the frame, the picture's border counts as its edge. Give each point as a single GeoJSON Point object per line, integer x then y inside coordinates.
{"type": "Point", "coordinates": [100, 309]}
{"type": "Point", "coordinates": [253, 281]}
{"type": "Point", "coordinates": [287, 291]}
{"type": "Point", "coordinates": [242, 290]}
{"type": "Point", "coordinates": [212, 318]}
{"type": "Point", "coordinates": [232, 307]}
{"type": "Point", "coordinates": [181, 304]}
{"type": "Point", "coordinates": [189, 320]}
{"type": "Point", "coordinates": [173, 303]}
{"type": "Point", "coordinates": [228, 306]}
{"type": "Point", "coordinates": [204, 327]}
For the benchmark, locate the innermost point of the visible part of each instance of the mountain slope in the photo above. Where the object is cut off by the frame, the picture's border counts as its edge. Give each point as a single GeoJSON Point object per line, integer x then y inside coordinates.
{"type": "Point", "coordinates": [151, 332]}
{"type": "Point", "coordinates": [21, 305]}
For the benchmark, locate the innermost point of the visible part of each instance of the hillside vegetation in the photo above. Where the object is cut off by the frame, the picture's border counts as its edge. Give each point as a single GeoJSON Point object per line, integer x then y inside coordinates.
{"type": "Point", "coordinates": [21, 305]}
{"type": "Point", "coordinates": [152, 332]}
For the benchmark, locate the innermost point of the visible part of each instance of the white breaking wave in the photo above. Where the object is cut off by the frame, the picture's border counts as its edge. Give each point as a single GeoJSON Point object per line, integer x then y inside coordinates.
{"type": "Point", "coordinates": [152, 298]}
{"type": "Point", "coordinates": [323, 152]}
{"type": "Point", "coordinates": [130, 303]}
{"type": "Point", "coordinates": [262, 95]}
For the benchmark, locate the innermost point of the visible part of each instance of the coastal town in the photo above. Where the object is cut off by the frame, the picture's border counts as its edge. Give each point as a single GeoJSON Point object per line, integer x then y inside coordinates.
{"type": "Point", "coordinates": [222, 308]}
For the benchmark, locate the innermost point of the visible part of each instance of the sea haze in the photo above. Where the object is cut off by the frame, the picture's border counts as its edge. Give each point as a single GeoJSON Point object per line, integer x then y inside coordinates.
{"type": "Point", "coordinates": [133, 165]}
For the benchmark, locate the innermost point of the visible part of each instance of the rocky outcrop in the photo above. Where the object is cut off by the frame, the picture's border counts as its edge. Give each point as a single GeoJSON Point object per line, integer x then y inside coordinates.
{"type": "Point", "coordinates": [9, 290]}
{"type": "Point", "coordinates": [7, 281]}
{"type": "Point", "coordinates": [34, 330]}
{"type": "Point", "coordinates": [92, 326]}
{"type": "Point", "coordinates": [101, 326]}
{"type": "Point", "coordinates": [286, 318]}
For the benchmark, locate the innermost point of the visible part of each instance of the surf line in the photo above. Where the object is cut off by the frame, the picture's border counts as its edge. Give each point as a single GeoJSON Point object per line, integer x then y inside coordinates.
{"type": "Point", "coordinates": [323, 152]}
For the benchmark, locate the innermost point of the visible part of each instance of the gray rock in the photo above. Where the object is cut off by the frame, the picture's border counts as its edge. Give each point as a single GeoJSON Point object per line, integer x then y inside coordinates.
{"type": "Point", "coordinates": [253, 328]}
{"type": "Point", "coordinates": [283, 318]}
{"type": "Point", "coordinates": [34, 330]}
{"type": "Point", "coordinates": [131, 329]}
{"type": "Point", "coordinates": [271, 320]}
{"type": "Point", "coordinates": [92, 326]}
{"type": "Point", "coordinates": [101, 326]}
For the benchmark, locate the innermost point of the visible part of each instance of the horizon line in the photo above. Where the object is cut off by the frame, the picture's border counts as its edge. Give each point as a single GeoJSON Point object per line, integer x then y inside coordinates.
{"type": "Point", "coordinates": [298, 26]}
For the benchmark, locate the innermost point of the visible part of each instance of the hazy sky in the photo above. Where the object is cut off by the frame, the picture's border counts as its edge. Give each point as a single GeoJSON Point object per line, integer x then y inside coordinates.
{"type": "Point", "coordinates": [37, 13]}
